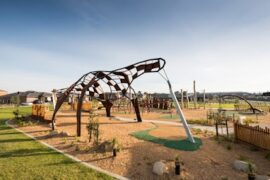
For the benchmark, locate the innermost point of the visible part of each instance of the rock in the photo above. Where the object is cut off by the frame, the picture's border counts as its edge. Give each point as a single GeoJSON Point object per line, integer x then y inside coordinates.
{"type": "Point", "coordinates": [53, 133]}
{"type": "Point", "coordinates": [261, 177]}
{"type": "Point", "coordinates": [64, 133]}
{"type": "Point", "coordinates": [159, 168]}
{"type": "Point", "coordinates": [106, 146]}
{"type": "Point", "coordinates": [242, 166]}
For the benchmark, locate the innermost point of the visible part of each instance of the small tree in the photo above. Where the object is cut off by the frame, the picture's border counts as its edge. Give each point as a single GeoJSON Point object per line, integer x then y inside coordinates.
{"type": "Point", "coordinates": [16, 113]}
{"type": "Point", "coordinates": [251, 171]}
{"type": "Point", "coordinates": [16, 100]}
{"type": "Point", "coordinates": [93, 127]}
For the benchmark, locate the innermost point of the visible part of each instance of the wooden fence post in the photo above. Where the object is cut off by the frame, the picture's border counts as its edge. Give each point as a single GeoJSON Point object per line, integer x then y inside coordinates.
{"type": "Point", "coordinates": [235, 131]}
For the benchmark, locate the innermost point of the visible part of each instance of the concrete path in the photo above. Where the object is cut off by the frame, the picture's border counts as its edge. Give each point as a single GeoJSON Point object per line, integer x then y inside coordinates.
{"type": "Point", "coordinates": [195, 126]}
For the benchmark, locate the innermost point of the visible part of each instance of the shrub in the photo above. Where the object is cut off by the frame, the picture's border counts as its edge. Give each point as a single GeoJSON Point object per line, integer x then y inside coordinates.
{"type": "Point", "coordinates": [199, 121]}
{"type": "Point", "coordinates": [254, 148]}
{"type": "Point", "coordinates": [16, 113]}
{"type": "Point", "coordinates": [267, 156]}
{"type": "Point", "coordinates": [24, 121]}
{"type": "Point", "coordinates": [244, 158]}
{"type": "Point", "coordinates": [197, 131]}
{"type": "Point", "coordinates": [77, 147]}
{"type": "Point", "coordinates": [115, 144]}
{"type": "Point", "coordinates": [251, 168]}
{"type": "Point", "coordinates": [248, 121]}
{"type": "Point", "coordinates": [65, 140]}
{"type": "Point", "coordinates": [229, 138]}
{"type": "Point", "coordinates": [229, 146]}
{"type": "Point", "coordinates": [177, 159]}
{"type": "Point", "coordinates": [77, 139]}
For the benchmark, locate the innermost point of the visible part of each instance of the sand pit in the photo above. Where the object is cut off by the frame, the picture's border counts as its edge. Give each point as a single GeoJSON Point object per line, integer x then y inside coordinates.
{"type": "Point", "coordinates": [136, 158]}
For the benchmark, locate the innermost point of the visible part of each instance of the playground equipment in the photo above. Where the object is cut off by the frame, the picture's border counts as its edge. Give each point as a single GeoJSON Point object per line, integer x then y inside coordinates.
{"type": "Point", "coordinates": [122, 105]}
{"type": "Point", "coordinates": [241, 98]}
{"type": "Point", "coordinates": [119, 82]}
{"type": "Point", "coordinates": [40, 111]}
{"type": "Point", "coordinates": [87, 106]}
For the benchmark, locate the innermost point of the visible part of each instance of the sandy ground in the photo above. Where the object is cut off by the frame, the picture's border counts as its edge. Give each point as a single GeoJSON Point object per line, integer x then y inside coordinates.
{"type": "Point", "coordinates": [136, 158]}
{"type": "Point", "coordinates": [264, 121]}
{"type": "Point", "coordinates": [189, 114]}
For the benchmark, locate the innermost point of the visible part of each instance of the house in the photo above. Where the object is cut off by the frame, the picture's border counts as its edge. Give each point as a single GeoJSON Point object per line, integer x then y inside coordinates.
{"type": "Point", "coordinates": [3, 92]}
{"type": "Point", "coordinates": [266, 94]}
{"type": "Point", "coordinates": [25, 97]}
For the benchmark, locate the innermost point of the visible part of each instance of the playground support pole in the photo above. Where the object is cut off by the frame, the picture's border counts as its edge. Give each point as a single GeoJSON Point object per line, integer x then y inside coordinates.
{"type": "Point", "coordinates": [54, 98]}
{"type": "Point", "coordinates": [182, 99]}
{"type": "Point", "coordinates": [180, 113]}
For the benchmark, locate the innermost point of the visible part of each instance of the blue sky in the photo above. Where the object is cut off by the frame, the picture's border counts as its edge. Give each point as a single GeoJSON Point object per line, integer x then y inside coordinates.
{"type": "Point", "coordinates": [222, 44]}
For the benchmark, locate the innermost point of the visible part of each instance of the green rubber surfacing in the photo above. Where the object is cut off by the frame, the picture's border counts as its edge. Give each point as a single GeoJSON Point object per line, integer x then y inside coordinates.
{"type": "Point", "coordinates": [184, 144]}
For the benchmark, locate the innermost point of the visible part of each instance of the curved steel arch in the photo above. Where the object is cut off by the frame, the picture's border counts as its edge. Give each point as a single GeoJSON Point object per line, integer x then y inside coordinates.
{"type": "Point", "coordinates": [239, 97]}
{"type": "Point", "coordinates": [118, 80]}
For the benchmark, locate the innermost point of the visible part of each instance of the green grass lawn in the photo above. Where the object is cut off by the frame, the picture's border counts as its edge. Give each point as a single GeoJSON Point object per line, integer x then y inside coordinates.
{"type": "Point", "coordinates": [24, 158]}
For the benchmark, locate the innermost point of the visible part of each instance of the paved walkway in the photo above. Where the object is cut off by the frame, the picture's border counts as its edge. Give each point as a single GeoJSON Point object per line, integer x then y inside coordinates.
{"type": "Point", "coordinates": [195, 126]}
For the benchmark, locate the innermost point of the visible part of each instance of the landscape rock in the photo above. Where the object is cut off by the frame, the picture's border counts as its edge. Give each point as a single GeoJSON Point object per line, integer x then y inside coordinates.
{"type": "Point", "coordinates": [159, 168]}
{"type": "Point", "coordinates": [53, 133]}
{"type": "Point", "coordinates": [242, 166]}
{"type": "Point", "coordinates": [64, 133]}
{"type": "Point", "coordinates": [106, 146]}
{"type": "Point", "coordinates": [261, 177]}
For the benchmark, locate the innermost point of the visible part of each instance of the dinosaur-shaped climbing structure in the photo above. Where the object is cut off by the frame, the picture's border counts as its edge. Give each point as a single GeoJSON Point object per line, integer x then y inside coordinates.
{"type": "Point", "coordinates": [119, 81]}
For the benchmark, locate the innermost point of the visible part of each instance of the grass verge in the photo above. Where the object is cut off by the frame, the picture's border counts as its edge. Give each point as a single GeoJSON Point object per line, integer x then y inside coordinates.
{"type": "Point", "coordinates": [24, 158]}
